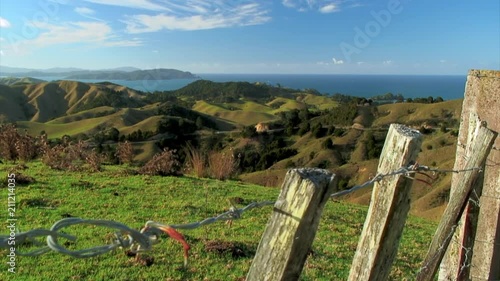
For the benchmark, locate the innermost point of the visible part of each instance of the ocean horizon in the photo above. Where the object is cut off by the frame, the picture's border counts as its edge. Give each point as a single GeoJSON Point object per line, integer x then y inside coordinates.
{"type": "Point", "coordinates": [410, 86]}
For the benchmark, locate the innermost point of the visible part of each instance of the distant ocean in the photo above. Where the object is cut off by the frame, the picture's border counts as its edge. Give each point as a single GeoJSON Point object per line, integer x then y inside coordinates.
{"type": "Point", "coordinates": [410, 86]}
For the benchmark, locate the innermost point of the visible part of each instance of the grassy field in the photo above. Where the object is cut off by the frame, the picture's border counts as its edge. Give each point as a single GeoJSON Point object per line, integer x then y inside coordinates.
{"type": "Point", "coordinates": [244, 117]}
{"type": "Point", "coordinates": [408, 113]}
{"type": "Point", "coordinates": [114, 194]}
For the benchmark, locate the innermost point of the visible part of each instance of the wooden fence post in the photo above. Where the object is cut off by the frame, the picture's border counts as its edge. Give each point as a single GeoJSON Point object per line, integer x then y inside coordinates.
{"type": "Point", "coordinates": [480, 149]}
{"type": "Point", "coordinates": [474, 251]}
{"type": "Point", "coordinates": [291, 230]}
{"type": "Point", "coordinates": [388, 209]}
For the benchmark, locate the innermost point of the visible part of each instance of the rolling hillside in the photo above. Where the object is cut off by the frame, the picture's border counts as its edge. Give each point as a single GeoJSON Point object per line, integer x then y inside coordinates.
{"type": "Point", "coordinates": [42, 102]}
{"type": "Point", "coordinates": [10, 81]}
{"type": "Point", "coordinates": [218, 111]}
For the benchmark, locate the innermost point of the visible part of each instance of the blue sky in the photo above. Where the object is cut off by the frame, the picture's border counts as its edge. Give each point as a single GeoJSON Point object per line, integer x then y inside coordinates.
{"type": "Point", "coordinates": [248, 36]}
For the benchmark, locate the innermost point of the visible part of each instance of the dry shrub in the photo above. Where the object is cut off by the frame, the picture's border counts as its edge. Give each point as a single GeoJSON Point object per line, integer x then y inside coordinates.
{"type": "Point", "coordinates": [8, 137]}
{"type": "Point", "coordinates": [77, 151]}
{"type": "Point", "coordinates": [53, 157]}
{"type": "Point", "coordinates": [165, 163]}
{"type": "Point", "coordinates": [14, 146]}
{"type": "Point", "coordinates": [125, 153]}
{"type": "Point", "coordinates": [196, 161]}
{"type": "Point", "coordinates": [60, 157]}
{"type": "Point", "coordinates": [222, 164]}
{"type": "Point", "coordinates": [94, 160]}
{"type": "Point", "coordinates": [26, 147]}
{"type": "Point", "coordinates": [70, 156]}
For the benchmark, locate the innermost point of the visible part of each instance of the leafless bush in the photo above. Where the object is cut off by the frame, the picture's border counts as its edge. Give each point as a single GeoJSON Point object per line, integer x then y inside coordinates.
{"type": "Point", "coordinates": [8, 138]}
{"type": "Point", "coordinates": [57, 157]}
{"type": "Point", "coordinates": [196, 161]}
{"type": "Point", "coordinates": [94, 160]}
{"type": "Point", "coordinates": [77, 151]}
{"type": "Point", "coordinates": [162, 164]}
{"type": "Point", "coordinates": [70, 156]}
{"type": "Point", "coordinates": [15, 146]}
{"type": "Point", "coordinates": [26, 147]}
{"type": "Point", "coordinates": [222, 164]}
{"type": "Point", "coordinates": [125, 153]}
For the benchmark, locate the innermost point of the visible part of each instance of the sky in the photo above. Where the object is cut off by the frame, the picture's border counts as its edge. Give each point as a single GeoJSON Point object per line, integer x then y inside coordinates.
{"type": "Point", "coordinates": [249, 36]}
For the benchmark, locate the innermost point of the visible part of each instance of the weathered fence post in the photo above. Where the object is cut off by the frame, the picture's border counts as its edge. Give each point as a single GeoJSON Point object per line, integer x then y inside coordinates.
{"type": "Point", "coordinates": [475, 249]}
{"type": "Point", "coordinates": [290, 232]}
{"type": "Point", "coordinates": [388, 209]}
{"type": "Point", "coordinates": [480, 149]}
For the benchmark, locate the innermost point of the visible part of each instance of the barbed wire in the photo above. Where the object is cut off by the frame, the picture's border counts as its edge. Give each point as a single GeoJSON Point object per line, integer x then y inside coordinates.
{"type": "Point", "coordinates": [143, 240]}
{"type": "Point", "coordinates": [413, 168]}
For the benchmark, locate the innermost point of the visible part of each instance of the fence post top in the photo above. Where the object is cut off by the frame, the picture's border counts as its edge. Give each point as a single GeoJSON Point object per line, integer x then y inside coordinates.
{"type": "Point", "coordinates": [315, 175]}
{"type": "Point", "coordinates": [311, 171]}
{"type": "Point", "coordinates": [406, 131]}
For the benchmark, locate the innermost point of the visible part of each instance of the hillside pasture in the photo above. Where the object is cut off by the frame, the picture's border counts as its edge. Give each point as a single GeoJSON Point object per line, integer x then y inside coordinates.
{"type": "Point", "coordinates": [218, 251]}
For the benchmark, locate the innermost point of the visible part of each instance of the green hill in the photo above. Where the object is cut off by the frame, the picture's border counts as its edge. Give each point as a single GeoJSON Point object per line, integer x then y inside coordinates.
{"type": "Point", "coordinates": [418, 113]}
{"type": "Point", "coordinates": [231, 91]}
{"type": "Point", "coordinates": [306, 129]}
{"type": "Point", "coordinates": [11, 81]}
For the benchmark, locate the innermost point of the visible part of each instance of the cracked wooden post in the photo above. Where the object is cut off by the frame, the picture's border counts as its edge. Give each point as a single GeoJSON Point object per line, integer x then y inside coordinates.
{"type": "Point", "coordinates": [290, 232]}
{"type": "Point", "coordinates": [480, 149]}
{"type": "Point", "coordinates": [477, 240]}
{"type": "Point", "coordinates": [388, 209]}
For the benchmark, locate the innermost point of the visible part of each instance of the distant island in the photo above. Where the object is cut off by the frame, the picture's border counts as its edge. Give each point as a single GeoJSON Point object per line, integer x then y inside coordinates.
{"type": "Point", "coordinates": [124, 73]}
{"type": "Point", "coordinates": [151, 74]}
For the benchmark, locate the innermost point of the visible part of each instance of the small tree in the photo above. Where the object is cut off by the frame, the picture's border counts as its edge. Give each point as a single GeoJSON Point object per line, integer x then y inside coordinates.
{"type": "Point", "coordinates": [328, 144]}
{"type": "Point", "coordinates": [304, 128]}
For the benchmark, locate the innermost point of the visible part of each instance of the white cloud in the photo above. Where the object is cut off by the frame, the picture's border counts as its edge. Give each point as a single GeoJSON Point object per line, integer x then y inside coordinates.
{"type": "Point", "coordinates": [442, 61]}
{"type": "Point", "coordinates": [84, 11]}
{"type": "Point", "coordinates": [199, 14]}
{"type": "Point", "coordinates": [289, 3]}
{"type": "Point", "coordinates": [335, 61]}
{"type": "Point", "coordinates": [322, 6]}
{"type": "Point", "coordinates": [136, 4]}
{"type": "Point", "coordinates": [97, 33]}
{"type": "Point", "coordinates": [329, 8]}
{"type": "Point", "coordinates": [2, 53]}
{"type": "Point", "coordinates": [387, 62]}
{"type": "Point", "coordinates": [360, 62]}
{"type": "Point", "coordinates": [4, 22]}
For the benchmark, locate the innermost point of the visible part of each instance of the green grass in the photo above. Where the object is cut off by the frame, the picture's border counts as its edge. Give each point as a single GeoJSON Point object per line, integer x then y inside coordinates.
{"type": "Point", "coordinates": [245, 116]}
{"type": "Point", "coordinates": [285, 104]}
{"type": "Point", "coordinates": [133, 200]}
{"type": "Point", "coordinates": [86, 114]}
{"type": "Point", "coordinates": [59, 130]}
{"type": "Point", "coordinates": [320, 102]}
{"type": "Point", "coordinates": [408, 113]}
